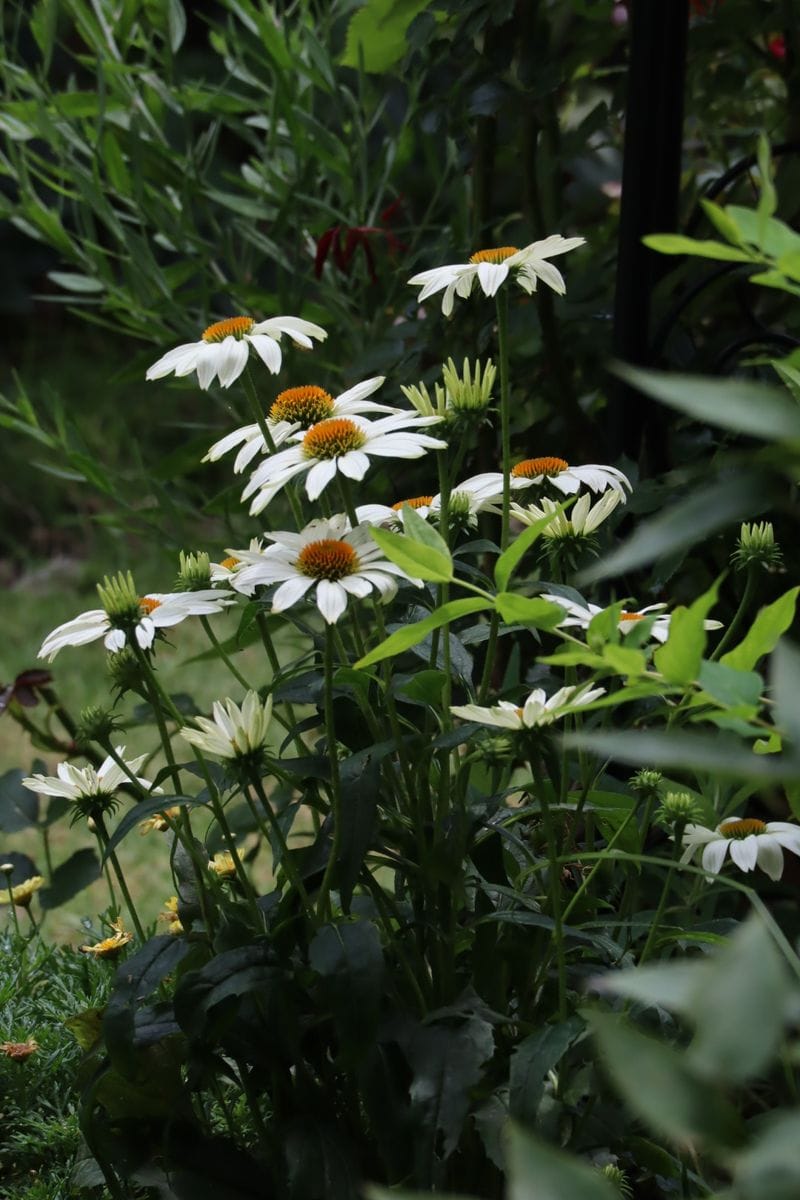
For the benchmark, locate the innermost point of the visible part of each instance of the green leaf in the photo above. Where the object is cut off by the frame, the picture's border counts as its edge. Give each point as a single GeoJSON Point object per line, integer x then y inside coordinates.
{"type": "Point", "coordinates": [134, 981]}
{"type": "Point", "coordinates": [768, 1168]}
{"type": "Point", "coordinates": [447, 1063]}
{"type": "Point", "coordinates": [509, 560]}
{"type": "Point", "coordinates": [15, 129]}
{"type": "Point", "coordinates": [686, 523]}
{"type": "Point", "coordinates": [688, 751]}
{"type": "Point", "coordinates": [376, 34]}
{"type": "Point", "coordinates": [658, 1086]}
{"type": "Point", "coordinates": [417, 559]}
{"type": "Point", "coordinates": [673, 243]}
{"type": "Point", "coordinates": [773, 238]}
{"type": "Point", "coordinates": [360, 778]}
{"type": "Point", "coordinates": [730, 687]}
{"type": "Point", "coordinates": [742, 405]}
{"type": "Point", "coordinates": [625, 660]}
{"type": "Point", "coordinates": [531, 1059]}
{"type": "Point", "coordinates": [227, 977]}
{"type": "Point", "coordinates": [420, 530]}
{"type": "Point", "coordinates": [75, 283]}
{"type": "Point", "coordinates": [176, 23]}
{"type": "Point", "coordinates": [141, 811]}
{"type": "Point", "coordinates": [679, 658]}
{"type": "Point", "coordinates": [771, 622]}
{"type": "Point", "coordinates": [348, 957]}
{"type": "Point", "coordinates": [410, 635]}
{"type": "Point", "coordinates": [80, 870]}
{"type": "Point", "coordinates": [785, 687]}
{"type": "Point", "coordinates": [537, 1171]}
{"type": "Point", "coordinates": [722, 221]}
{"type": "Point", "coordinates": [527, 610]}
{"type": "Point", "coordinates": [19, 807]}
{"type": "Point", "coordinates": [768, 199]}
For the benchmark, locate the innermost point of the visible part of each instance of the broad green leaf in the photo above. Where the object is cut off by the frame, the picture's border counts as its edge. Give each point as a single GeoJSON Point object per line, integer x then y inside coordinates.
{"type": "Point", "coordinates": [773, 237]}
{"type": "Point", "coordinates": [767, 199]}
{"type": "Point", "coordinates": [686, 523]}
{"type": "Point", "coordinates": [44, 27]}
{"type": "Point", "coordinates": [348, 957]}
{"type": "Point", "coordinates": [417, 559]}
{"type": "Point", "coordinates": [15, 129]}
{"type": "Point", "coordinates": [19, 807]}
{"type": "Point", "coordinates": [75, 283]}
{"type": "Point", "coordinates": [69, 878]}
{"type": "Point", "coordinates": [658, 1086]}
{"type": "Point", "coordinates": [538, 1171]}
{"type": "Point", "coordinates": [726, 755]}
{"type": "Point", "coordinates": [410, 635]}
{"type": "Point", "coordinates": [134, 981]}
{"type": "Point", "coordinates": [509, 560]}
{"type": "Point", "coordinates": [673, 243]}
{"type": "Point", "coordinates": [722, 221]}
{"type": "Point", "coordinates": [625, 660]}
{"type": "Point", "coordinates": [447, 1063]}
{"type": "Point", "coordinates": [679, 658]}
{"type": "Point", "coordinates": [528, 610]}
{"type": "Point", "coordinates": [768, 1168]}
{"type": "Point", "coordinates": [771, 622]}
{"type": "Point", "coordinates": [785, 687]}
{"type": "Point", "coordinates": [228, 976]}
{"type": "Point", "coordinates": [742, 405]}
{"type": "Point", "coordinates": [376, 34]}
{"type": "Point", "coordinates": [141, 811]}
{"type": "Point", "coordinates": [420, 530]}
{"type": "Point", "coordinates": [531, 1059]}
{"type": "Point", "coordinates": [740, 1007]}
{"type": "Point", "coordinates": [176, 22]}
{"type": "Point", "coordinates": [730, 687]}
{"type": "Point", "coordinates": [604, 626]}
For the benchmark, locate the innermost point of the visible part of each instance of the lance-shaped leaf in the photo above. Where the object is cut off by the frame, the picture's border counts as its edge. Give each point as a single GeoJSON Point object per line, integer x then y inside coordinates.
{"type": "Point", "coordinates": [410, 635]}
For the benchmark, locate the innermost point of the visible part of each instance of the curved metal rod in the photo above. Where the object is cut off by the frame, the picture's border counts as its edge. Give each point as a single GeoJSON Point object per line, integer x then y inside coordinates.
{"type": "Point", "coordinates": [738, 168]}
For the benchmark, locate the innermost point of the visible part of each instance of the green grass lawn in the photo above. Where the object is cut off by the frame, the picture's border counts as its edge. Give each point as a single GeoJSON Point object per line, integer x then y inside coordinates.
{"type": "Point", "coordinates": [80, 679]}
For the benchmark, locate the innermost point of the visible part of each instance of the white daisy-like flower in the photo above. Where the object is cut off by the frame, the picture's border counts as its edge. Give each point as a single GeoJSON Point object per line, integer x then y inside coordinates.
{"type": "Point", "coordinates": [580, 615]}
{"type": "Point", "coordinates": [538, 709]}
{"type": "Point", "coordinates": [89, 783]}
{"type": "Point", "coordinates": [224, 348]}
{"type": "Point", "coordinates": [329, 556]}
{"type": "Point", "coordinates": [490, 269]}
{"type": "Point", "coordinates": [223, 572]}
{"type": "Point", "coordinates": [235, 732]}
{"type": "Point", "coordinates": [156, 610]}
{"type": "Point", "coordinates": [567, 479]}
{"type": "Point", "coordinates": [752, 843]}
{"type": "Point", "coordinates": [340, 444]}
{"type": "Point", "coordinates": [581, 521]}
{"type": "Point", "coordinates": [467, 500]}
{"type": "Point", "coordinates": [293, 409]}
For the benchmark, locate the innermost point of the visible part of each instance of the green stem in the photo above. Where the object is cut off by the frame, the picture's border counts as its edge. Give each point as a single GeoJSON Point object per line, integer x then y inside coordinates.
{"type": "Point", "coordinates": [323, 902]}
{"type": "Point", "coordinates": [750, 589]}
{"type": "Point", "coordinates": [662, 901]}
{"type": "Point", "coordinates": [287, 863]}
{"type": "Point", "coordinates": [102, 834]}
{"type": "Point", "coordinates": [290, 724]}
{"type": "Point", "coordinates": [215, 642]}
{"type": "Point", "coordinates": [505, 408]}
{"type": "Point", "coordinates": [12, 904]}
{"type": "Point", "coordinates": [554, 878]}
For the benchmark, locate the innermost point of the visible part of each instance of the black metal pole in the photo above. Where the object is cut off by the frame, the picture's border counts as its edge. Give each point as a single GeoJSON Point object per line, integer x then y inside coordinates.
{"type": "Point", "coordinates": [650, 188]}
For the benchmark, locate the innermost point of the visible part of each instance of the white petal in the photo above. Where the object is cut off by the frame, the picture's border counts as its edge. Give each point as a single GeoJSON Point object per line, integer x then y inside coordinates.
{"type": "Point", "coordinates": [233, 357]}
{"type": "Point", "coordinates": [267, 350]}
{"type": "Point", "coordinates": [770, 856]}
{"type": "Point", "coordinates": [744, 852]}
{"type": "Point", "coordinates": [319, 477]}
{"type": "Point", "coordinates": [331, 600]}
{"type": "Point", "coordinates": [491, 275]}
{"type": "Point", "coordinates": [354, 464]}
{"type": "Point", "coordinates": [290, 592]}
{"type": "Point", "coordinates": [714, 855]}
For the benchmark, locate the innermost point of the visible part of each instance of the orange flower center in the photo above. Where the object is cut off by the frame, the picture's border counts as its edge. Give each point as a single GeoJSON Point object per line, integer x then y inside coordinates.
{"type": "Point", "coordinates": [742, 829]}
{"type": "Point", "coordinates": [532, 468]}
{"type": "Point", "coordinates": [330, 439]}
{"type": "Point", "coordinates": [417, 502]}
{"type": "Point", "coordinates": [327, 559]}
{"type": "Point", "coordinates": [230, 562]}
{"type": "Point", "coordinates": [147, 604]}
{"type": "Point", "coordinates": [626, 616]}
{"type": "Point", "coordinates": [304, 404]}
{"type": "Point", "coordinates": [497, 254]}
{"type": "Point", "coordinates": [235, 327]}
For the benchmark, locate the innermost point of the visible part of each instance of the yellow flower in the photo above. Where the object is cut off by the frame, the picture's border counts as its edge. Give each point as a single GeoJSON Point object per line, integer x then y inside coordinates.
{"type": "Point", "coordinates": [222, 864]}
{"type": "Point", "coordinates": [109, 947]}
{"type": "Point", "coordinates": [19, 1050]}
{"type": "Point", "coordinates": [159, 822]}
{"type": "Point", "coordinates": [170, 915]}
{"type": "Point", "coordinates": [22, 894]}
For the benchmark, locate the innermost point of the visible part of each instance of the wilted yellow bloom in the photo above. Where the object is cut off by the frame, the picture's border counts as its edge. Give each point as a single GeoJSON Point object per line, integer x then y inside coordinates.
{"type": "Point", "coordinates": [160, 821]}
{"type": "Point", "coordinates": [170, 915]}
{"type": "Point", "coordinates": [110, 946]}
{"type": "Point", "coordinates": [222, 864]}
{"type": "Point", "coordinates": [19, 1050]}
{"type": "Point", "coordinates": [22, 894]}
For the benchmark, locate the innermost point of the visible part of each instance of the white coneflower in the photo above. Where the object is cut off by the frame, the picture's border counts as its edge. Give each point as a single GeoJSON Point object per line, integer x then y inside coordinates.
{"type": "Point", "coordinates": [90, 788]}
{"type": "Point", "coordinates": [330, 557]}
{"type": "Point", "coordinates": [537, 709]}
{"type": "Point", "coordinates": [224, 348]}
{"type": "Point", "coordinates": [234, 732]}
{"type": "Point", "coordinates": [752, 843]}
{"type": "Point", "coordinates": [580, 615]}
{"type": "Point", "coordinates": [490, 268]}
{"type": "Point", "coordinates": [579, 523]}
{"type": "Point", "coordinates": [569, 479]}
{"type": "Point", "coordinates": [340, 445]}
{"type": "Point", "coordinates": [294, 409]}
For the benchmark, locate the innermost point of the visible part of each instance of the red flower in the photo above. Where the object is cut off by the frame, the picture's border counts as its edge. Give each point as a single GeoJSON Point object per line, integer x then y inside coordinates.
{"type": "Point", "coordinates": [777, 46]}
{"type": "Point", "coordinates": [342, 241]}
{"type": "Point", "coordinates": [24, 688]}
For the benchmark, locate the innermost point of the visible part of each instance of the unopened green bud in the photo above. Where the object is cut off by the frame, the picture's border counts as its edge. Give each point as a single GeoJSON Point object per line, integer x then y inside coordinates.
{"type": "Point", "coordinates": [194, 572]}
{"type": "Point", "coordinates": [471, 391]}
{"type": "Point", "coordinates": [419, 396]}
{"type": "Point", "coordinates": [677, 808]}
{"type": "Point", "coordinates": [119, 597]}
{"type": "Point", "coordinates": [617, 1177]}
{"type": "Point", "coordinates": [125, 670]}
{"type": "Point", "coordinates": [496, 749]}
{"type": "Point", "coordinates": [756, 546]}
{"type": "Point", "coordinates": [95, 724]}
{"type": "Point", "coordinates": [646, 782]}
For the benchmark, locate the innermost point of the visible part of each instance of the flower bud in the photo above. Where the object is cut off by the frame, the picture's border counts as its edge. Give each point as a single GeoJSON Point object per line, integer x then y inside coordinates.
{"type": "Point", "coordinates": [194, 572]}
{"type": "Point", "coordinates": [756, 547]}
{"type": "Point", "coordinates": [119, 597]}
{"type": "Point", "coordinates": [471, 391]}
{"type": "Point", "coordinates": [646, 782]}
{"type": "Point", "coordinates": [95, 724]}
{"type": "Point", "coordinates": [677, 808]}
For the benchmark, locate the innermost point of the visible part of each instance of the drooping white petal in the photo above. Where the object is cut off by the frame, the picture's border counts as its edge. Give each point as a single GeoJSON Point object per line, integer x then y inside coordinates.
{"type": "Point", "coordinates": [331, 600]}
